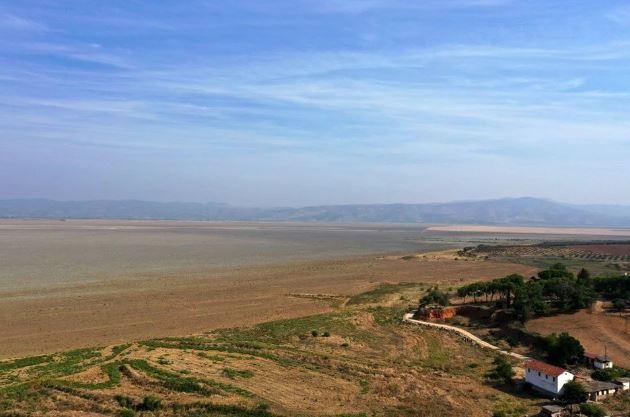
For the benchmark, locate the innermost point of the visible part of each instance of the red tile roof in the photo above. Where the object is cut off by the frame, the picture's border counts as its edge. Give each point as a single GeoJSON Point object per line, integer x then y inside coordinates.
{"type": "Point", "coordinates": [544, 367]}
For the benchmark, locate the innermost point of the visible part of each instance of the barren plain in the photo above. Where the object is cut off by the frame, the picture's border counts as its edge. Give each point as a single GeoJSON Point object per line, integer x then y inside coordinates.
{"type": "Point", "coordinates": [83, 283]}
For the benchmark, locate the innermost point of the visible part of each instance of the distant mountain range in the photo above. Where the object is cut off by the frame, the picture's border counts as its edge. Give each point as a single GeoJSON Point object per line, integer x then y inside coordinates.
{"type": "Point", "coordinates": [513, 211]}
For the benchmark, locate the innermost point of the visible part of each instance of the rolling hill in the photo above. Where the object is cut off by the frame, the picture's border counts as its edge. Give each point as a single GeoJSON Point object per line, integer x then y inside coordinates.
{"type": "Point", "coordinates": [514, 211]}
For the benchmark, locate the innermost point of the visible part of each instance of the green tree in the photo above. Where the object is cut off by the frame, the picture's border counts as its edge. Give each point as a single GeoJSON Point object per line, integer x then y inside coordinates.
{"type": "Point", "coordinates": [435, 296]}
{"type": "Point", "coordinates": [563, 348]}
{"type": "Point", "coordinates": [619, 304]}
{"type": "Point", "coordinates": [508, 285]}
{"type": "Point", "coordinates": [502, 370]}
{"type": "Point", "coordinates": [529, 301]}
{"type": "Point", "coordinates": [574, 392]}
{"type": "Point", "coordinates": [584, 277]}
{"type": "Point", "coordinates": [556, 271]}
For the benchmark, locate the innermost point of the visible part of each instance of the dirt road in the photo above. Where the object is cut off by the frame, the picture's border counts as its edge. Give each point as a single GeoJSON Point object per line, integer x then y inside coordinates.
{"type": "Point", "coordinates": [409, 319]}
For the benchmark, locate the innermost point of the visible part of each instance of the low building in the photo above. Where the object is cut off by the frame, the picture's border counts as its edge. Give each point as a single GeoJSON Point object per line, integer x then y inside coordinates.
{"type": "Point", "coordinates": [546, 378]}
{"type": "Point", "coordinates": [551, 411]}
{"type": "Point", "coordinates": [599, 389]}
{"type": "Point", "coordinates": [598, 361]}
{"type": "Point", "coordinates": [623, 383]}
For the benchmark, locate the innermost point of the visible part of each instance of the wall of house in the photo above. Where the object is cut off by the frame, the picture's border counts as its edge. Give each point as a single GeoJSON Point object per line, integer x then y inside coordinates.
{"type": "Point", "coordinates": [547, 382]}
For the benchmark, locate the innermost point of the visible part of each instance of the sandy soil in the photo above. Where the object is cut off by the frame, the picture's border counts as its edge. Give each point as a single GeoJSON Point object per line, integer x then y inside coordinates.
{"type": "Point", "coordinates": [594, 329]}
{"type": "Point", "coordinates": [39, 320]}
{"type": "Point", "coordinates": [531, 230]}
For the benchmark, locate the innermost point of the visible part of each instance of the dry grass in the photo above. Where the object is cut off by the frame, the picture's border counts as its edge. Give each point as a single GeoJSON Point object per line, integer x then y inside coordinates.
{"type": "Point", "coordinates": [371, 363]}
{"type": "Point", "coordinates": [594, 328]}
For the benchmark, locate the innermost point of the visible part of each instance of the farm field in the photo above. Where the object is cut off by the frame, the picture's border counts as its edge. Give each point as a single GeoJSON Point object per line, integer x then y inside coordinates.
{"type": "Point", "coordinates": [601, 257]}
{"type": "Point", "coordinates": [532, 230]}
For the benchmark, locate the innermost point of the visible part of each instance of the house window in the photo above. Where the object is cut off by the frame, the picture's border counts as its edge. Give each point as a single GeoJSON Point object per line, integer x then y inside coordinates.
{"type": "Point", "coordinates": [554, 379]}
{"type": "Point", "coordinates": [539, 374]}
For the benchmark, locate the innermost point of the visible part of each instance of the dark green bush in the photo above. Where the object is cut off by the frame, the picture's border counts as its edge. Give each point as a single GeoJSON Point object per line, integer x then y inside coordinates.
{"type": "Point", "coordinates": [151, 403]}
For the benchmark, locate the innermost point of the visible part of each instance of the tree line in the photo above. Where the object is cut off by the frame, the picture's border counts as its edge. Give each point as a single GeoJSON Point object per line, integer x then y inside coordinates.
{"type": "Point", "coordinates": [555, 288]}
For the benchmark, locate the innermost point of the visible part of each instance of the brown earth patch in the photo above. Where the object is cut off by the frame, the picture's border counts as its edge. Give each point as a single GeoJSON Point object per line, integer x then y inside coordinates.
{"type": "Point", "coordinates": [594, 329]}
{"type": "Point", "coordinates": [41, 320]}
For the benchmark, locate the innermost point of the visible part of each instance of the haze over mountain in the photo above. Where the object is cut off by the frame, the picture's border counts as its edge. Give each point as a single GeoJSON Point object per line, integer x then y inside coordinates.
{"type": "Point", "coordinates": [517, 211]}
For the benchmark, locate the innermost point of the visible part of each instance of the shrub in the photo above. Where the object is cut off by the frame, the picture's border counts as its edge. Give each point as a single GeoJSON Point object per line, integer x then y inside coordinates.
{"type": "Point", "coordinates": [592, 410]}
{"type": "Point", "coordinates": [326, 334]}
{"type": "Point", "coordinates": [574, 393]}
{"type": "Point", "coordinates": [314, 333]}
{"type": "Point", "coordinates": [125, 401]}
{"type": "Point", "coordinates": [435, 296]}
{"type": "Point", "coordinates": [503, 370]}
{"type": "Point", "coordinates": [127, 412]}
{"type": "Point", "coordinates": [610, 374]}
{"type": "Point", "coordinates": [151, 403]}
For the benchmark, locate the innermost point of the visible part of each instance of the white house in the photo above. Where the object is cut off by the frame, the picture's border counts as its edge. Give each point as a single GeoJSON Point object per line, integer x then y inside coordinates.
{"type": "Point", "coordinates": [598, 361]}
{"type": "Point", "coordinates": [548, 379]}
{"type": "Point", "coordinates": [600, 389]}
{"type": "Point", "coordinates": [624, 383]}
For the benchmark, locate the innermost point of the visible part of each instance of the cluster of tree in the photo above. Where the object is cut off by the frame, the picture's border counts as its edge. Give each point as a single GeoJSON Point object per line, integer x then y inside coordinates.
{"type": "Point", "coordinates": [435, 296]}
{"type": "Point", "coordinates": [610, 374]}
{"type": "Point", "coordinates": [504, 287]}
{"type": "Point", "coordinates": [616, 289]}
{"type": "Point", "coordinates": [574, 393]}
{"type": "Point", "coordinates": [562, 349]}
{"type": "Point", "coordinates": [555, 287]}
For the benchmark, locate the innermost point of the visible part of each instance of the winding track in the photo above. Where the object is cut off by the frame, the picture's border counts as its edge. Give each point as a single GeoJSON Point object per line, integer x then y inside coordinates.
{"type": "Point", "coordinates": [408, 317]}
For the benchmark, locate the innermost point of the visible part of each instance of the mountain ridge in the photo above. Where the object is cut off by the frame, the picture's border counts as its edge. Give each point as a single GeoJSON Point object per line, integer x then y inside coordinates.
{"type": "Point", "coordinates": [515, 211]}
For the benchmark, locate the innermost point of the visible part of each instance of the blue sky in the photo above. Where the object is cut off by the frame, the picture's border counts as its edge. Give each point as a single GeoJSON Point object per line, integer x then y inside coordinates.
{"type": "Point", "coordinates": [302, 102]}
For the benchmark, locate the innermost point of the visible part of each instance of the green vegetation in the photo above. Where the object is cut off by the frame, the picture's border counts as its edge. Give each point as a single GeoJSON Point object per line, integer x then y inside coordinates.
{"type": "Point", "coordinates": [556, 290]}
{"type": "Point", "coordinates": [502, 371]}
{"type": "Point", "coordinates": [610, 374]}
{"type": "Point", "coordinates": [24, 362]}
{"type": "Point", "coordinates": [435, 296]}
{"type": "Point", "coordinates": [592, 410]}
{"type": "Point", "coordinates": [613, 288]}
{"type": "Point", "coordinates": [176, 382]}
{"type": "Point", "coordinates": [562, 349]}
{"type": "Point", "coordinates": [574, 393]}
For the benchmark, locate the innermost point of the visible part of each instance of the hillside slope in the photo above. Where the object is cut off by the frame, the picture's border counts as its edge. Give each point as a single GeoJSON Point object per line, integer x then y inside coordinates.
{"type": "Point", "coordinates": [517, 211]}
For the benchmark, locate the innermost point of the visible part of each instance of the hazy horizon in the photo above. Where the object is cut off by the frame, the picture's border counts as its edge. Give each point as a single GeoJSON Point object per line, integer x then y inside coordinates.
{"type": "Point", "coordinates": [367, 203]}
{"type": "Point", "coordinates": [302, 103]}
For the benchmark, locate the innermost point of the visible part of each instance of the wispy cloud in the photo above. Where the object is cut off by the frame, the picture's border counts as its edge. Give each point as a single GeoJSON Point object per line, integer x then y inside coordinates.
{"type": "Point", "coordinates": [441, 82]}
{"type": "Point", "coordinates": [13, 22]}
{"type": "Point", "coordinates": [361, 6]}
{"type": "Point", "coordinates": [619, 15]}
